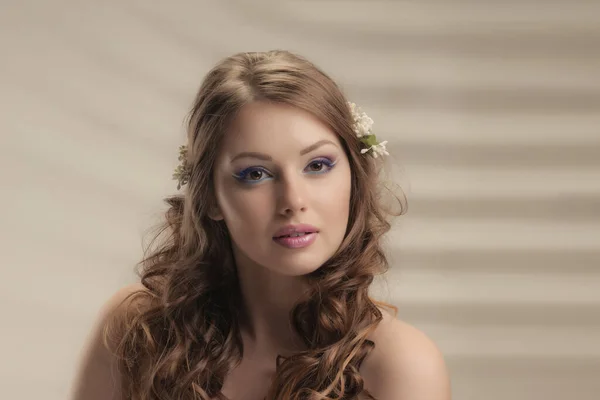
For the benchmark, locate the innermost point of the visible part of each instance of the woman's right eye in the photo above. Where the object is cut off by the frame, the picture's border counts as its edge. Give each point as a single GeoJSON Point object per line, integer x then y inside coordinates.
{"type": "Point", "coordinates": [255, 175]}
{"type": "Point", "coordinates": [252, 175]}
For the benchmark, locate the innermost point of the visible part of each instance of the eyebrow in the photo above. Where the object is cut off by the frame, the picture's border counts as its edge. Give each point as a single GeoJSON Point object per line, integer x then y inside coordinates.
{"type": "Point", "coordinates": [261, 156]}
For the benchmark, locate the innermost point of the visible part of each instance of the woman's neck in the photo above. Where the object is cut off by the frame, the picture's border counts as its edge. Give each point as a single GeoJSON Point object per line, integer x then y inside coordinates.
{"type": "Point", "coordinates": [267, 299]}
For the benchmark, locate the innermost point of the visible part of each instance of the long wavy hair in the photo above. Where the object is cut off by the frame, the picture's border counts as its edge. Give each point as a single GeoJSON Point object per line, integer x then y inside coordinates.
{"type": "Point", "coordinates": [182, 336]}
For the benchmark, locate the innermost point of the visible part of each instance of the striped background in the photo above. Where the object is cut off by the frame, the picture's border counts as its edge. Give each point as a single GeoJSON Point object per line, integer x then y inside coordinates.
{"type": "Point", "coordinates": [492, 110]}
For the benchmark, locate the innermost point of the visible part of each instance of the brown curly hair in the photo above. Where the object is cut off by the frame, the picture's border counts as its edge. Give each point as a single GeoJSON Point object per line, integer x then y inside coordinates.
{"type": "Point", "coordinates": [183, 336]}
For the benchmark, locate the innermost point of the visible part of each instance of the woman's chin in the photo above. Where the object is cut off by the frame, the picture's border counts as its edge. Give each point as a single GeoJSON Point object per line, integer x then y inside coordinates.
{"type": "Point", "coordinates": [297, 266]}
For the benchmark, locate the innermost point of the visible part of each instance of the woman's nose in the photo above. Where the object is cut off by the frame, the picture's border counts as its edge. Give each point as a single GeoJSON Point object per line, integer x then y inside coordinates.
{"type": "Point", "coordinates": [292, 196]}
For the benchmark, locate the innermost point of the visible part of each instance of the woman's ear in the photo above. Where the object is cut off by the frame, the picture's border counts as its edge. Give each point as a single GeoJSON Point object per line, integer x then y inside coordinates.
{"type": "Point", "coordinates": [214, 212]}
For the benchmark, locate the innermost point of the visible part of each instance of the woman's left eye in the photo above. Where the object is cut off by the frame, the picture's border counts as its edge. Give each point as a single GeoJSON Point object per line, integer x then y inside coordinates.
{"type": "Point", "coordinates": [319, 166]}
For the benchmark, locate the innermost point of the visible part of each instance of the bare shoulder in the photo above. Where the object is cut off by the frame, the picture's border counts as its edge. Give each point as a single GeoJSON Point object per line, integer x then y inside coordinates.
{"type": "Point", "coordinates": [127, 300]}
{"type": "Point", "coordinates": [124, 300]}
{"type": "Point", "coordinates": [405, 364]}
{"type": "Point", "coordinates": [96, 376]}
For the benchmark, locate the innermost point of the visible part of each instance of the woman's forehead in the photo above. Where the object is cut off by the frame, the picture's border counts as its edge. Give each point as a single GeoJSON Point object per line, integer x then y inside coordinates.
{"type": "Point", "coordinates": [260, 127]}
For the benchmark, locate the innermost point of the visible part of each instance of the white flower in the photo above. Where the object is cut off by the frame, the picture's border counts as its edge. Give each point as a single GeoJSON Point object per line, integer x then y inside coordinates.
{"type": "Point", "coordinates": [362, 126]}
{"type": "Point", "coordinates": [362, 122]}
{"type": "Point", "coordinates": [377, 150]}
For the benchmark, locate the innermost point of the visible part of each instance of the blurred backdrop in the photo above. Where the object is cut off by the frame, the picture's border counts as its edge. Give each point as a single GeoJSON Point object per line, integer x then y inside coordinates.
{"type": "Point", "coordinates": [492, 110]}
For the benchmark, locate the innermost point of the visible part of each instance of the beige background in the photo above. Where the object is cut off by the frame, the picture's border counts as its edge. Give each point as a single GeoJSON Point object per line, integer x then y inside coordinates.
{"type": "Point", "coordinates": [492, 109]}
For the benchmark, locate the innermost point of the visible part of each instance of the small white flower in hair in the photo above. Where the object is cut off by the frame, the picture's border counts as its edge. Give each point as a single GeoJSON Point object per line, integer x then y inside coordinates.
{"type": "Point", "coordinates": [377, 149]}
{"type": "Point", "coordinates": [362, 126]}
{"type": "Point", "coordinates": [362, 122]}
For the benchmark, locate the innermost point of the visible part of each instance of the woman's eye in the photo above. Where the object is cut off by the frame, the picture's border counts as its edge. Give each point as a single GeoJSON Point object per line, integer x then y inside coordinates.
{"type": "Point", "coordinates": [252, 175]}
{"type": "Point", "coordinates": [320, 166]}
{"type": "Point", "coordinates": [316, 166]}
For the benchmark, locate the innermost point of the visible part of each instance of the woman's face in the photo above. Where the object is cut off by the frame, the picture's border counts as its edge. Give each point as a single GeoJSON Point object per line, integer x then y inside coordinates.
{"type": "Point", "coordinates": [282, 183]}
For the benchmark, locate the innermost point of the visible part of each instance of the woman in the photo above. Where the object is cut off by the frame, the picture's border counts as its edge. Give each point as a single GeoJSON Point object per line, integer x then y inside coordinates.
{"type": "Point", "coordinates": [259, 285]}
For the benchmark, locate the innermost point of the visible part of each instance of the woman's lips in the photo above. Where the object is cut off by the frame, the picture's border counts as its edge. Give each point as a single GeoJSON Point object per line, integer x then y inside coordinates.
{"type": "Point", "coordinates": [296, 236]}
{"type": "Point", "coordinates": [295, 229]}
{"type": "Point", "coordinates": [296, 242]}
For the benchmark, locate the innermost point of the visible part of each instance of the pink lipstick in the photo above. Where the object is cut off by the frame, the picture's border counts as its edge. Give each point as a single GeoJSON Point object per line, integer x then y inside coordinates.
{"type": "Point", "coordinates": [296, 236]}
